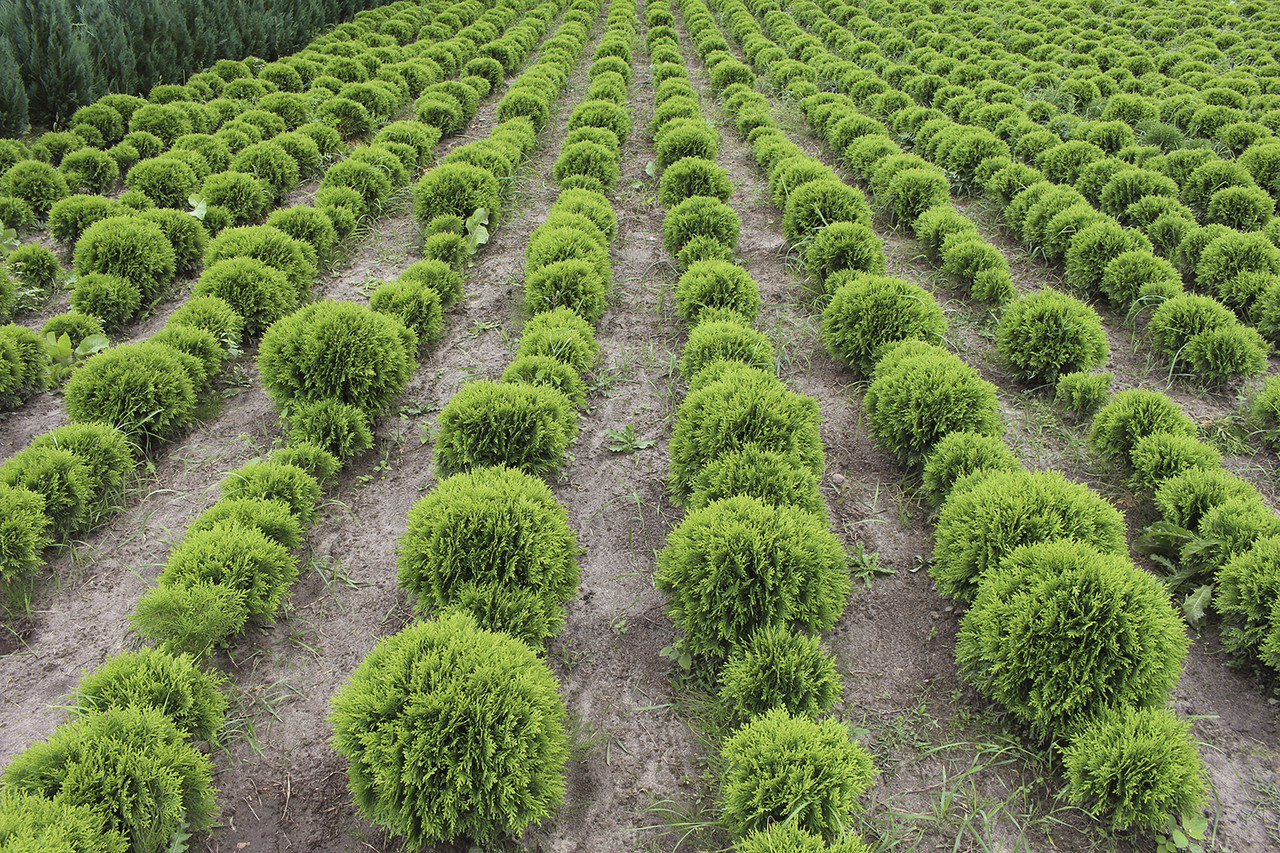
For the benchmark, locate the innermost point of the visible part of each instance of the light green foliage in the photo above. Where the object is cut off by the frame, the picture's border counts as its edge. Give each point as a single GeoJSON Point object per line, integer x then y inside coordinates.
{"type": "Point", "coordinates": [868, 313]}
{"type": "Point", "coordinates": [110, 298]}
{"type": "Point", "coordinates": [452, 730]}
{"type": "Point", "coordinates": [1134, 274]}
{"type": "Point", "coordinates": [573, 283]}
{"type": "Point", "coordinates": [275, 481]}
{"type": "Point", "coordinates": [816, 204]}
{"type": "Point", "coordinates": [337, 427]}
{"type": "Point", "coordinates": [130, 248]}
{"type": "Point", "coordinates": [961, 453]}
{"type": "Point", "coordinates": [1060, 631]}
{"type": "Point", "coordinates": [1138, 765]}
{"type": "Point", "coordinates": [34, 267]}
{"type": "Point", "coordinates": [415, 304]}
{"type": "Point", "coordinates": [982, 524]}
{"type": "Point", "coordinates": [547, 371]}
{"type": "Point", "coordinates": [1186, 499]}
{"type": "Point", "coordinates": [151, 678]}
{"type": "Point", "coordinates": [1156, 457]}
{"type": "Point", "coordinates": [1248, 599]}
{"type": "Point", "coordinates": [141, 389]}
{"type": "Point", "coordinates": [843, 246]}
{"type": "Point", "coordinates": [32, 822]}
{"type": "Point", "coordinates": [131, 766]}
{"type": "Point", "coordinates": [738, 564]}
{"type": "Point", "coordinates": [1094, 247]}
{"type": "Point", "coordinates": [563, 335]}
{"type": "Point", "coordinates": [716, 284]}
{"type": "Point", "coordinates": [312, 458]}
{"type": "Point", "coordinates": [527, 427]}
{"type": "Point", "coordinates": [23, 361]}
{"type": "Point", "coordinates": [58, 475]}
{"type": "Point", "coordinates": [778, 668]}
{"type": "Point", "coordinates": [693, 176]}
{"type": "Point", "coordinates": [490, 529]}
{"type": "Point", "coordinates": [271, 246]}
{"type": "Point", "coordinates": [1082, 392]}
{"type": "Point", "coordinates": [237, 557]}
{"type": "Point", "coordinates": [769, 476]}
{"type": "Point", "coordinates": [23, 524]}
{"type": "Point", "coordinates": [699, 216]}
{"type": "Point", "coordinates": [1047, 333]}
{"type": "Point", "coordinates": [214, 315]}
{"type": "Point", "coordinates": [742, 407]}
{"type": "Point", "coordinates": [789, 838]}
{"type": "Point", "coordinates": [190, 618]}
{"type": "Point", "coordinates": [455, 189]}
{"type": "Point", "coordinates": [103, 449]}
{"type": "Point", "coordinates": [780, 768]}
{"type": "Point", "coordinates": [272, 517]}
{"type": "Point", "coordinates": [1265, 411]}
{"type": "Point", "coordinates": [714, 340]}
{"type": "Point", "coordinates": [1131, 415]}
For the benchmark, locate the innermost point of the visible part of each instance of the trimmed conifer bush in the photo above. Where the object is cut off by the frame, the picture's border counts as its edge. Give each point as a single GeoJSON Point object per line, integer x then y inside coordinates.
{"type": "Point", "coordinates": [843, 246]}
{"type": "Point", "coordinates": [236, 557]}
{"type": "Point", "coordinates": [1185, 499]}
{"type": "Point", "coordinates": [498, 768]}
{"type": "Point", "coordinates": [573, 283]}
{"type": "Point", "coordinates": [979, 267]}
{"type": "Point", "coordinates": [590, 159]}
{"type": "Point", "coordinates": [549, 372]}
{"type": "Point", "coordinates": [103, 449]}
{"type": "Point", "coordinates": [59, 476]}
{"type": "Point", "coordinates": [339, 350]}
{"type": "Point", "coordinates": [272, 517]}
{"type": "Point", "coordinates": [455, 189]}
{"type": "Point", "coordinates": [437, 275]}
{"type": "Point", "coordinates": [1082, 393]}
{"type": "Point", "coordinates": [271, 246]}
{"type": "Point", "coordinates": [813, 205]}
{"type": "Point", "coordinates": [785, 769]}
{"type": "Point", "coordinates": [1132, 415]}
{"type": "Point", "coordinates": [1158, 456]}
{"type": "Point", "coordinates": [23, 526]}
{"type": "Point", "coordinates": [131, 766]}
{"type": "Point", "coordinates": [23, 361]}
{"type": "Point", "coordinates": [526, 427]}
{"type": "Point", "coordinates": [681, 138]}
{"type": "Point", "coordinates": [33, 822]}
{"type": "Point", "coordinates": [789, 838]}
{"type": "Point", "coordinates": [213, 315]}
{"type": "Point", "coordinates": [141, 389]}
{"type": "Point", "coordinates": [151, 678]}
{"type": "Point", "coordinates": [38, 184]}
{"type": "Point", "coordinates": [413, 303]}
{"type": "Point", "coordinates": [69, 217]}
{"type": "Point", "coordinates": [259, 293]}
{"type": "Point", "coordinates": [1126, 649]}
{"type": "Point", "coordinates": [563, 335]}
{"type": "Point", "coordinates": [778, 668]}
{"type": "Point", "coordinates": [691, 176]}
{"type": "Point", "coordinates": [960, 454]}
{"type": "Point", "coordinates": [1094, 247]}
{"type": "Point", "coordinates": [740, 408]}
{"type": "Point", "coordinates": [1265, 411]}
{"type": "Point", "coordinates": [869, 312]}
{"type": "Point", "coordinates": [714, 340]}
{"type": "Point", "coordinates": [739, 564]}
{"type": "Point", "coordinates": [1246, 595]}
{"type": "Point", "coordinates": [34, 266]}
{"type": "Point", "coordinates": [241, 194]}
{"type": "Point", "coordinates": [771, 477]}
{"type": "Point", "coordinates": [1140, 766]}
{"type": "Point", "coordinates": [1046, 333]}
{"type": "Point", "coordinates": [274, 480]}
{"type": "Point", "coordinates": [128, 247]}
{"type": "Point", "coordinates": [981, 525]}
{"type": "Point", "coordinates": [492, 528]}
{"type": "Point", "coordinates": [699, 216]}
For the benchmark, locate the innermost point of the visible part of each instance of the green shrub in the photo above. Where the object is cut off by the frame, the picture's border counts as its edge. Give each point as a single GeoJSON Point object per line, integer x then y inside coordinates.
{"type": "Point", "coordinates": [713, 341]}
{"type": "Point", "coordinates": [58, 475]}
{"type": "Point", "coordinates": [272, 517]}
{"type": "Point", "coordinates": [1230, 352]}
{"type": "Point", "coordinates": [913, 191]}
{"type": "Point", "coordinates": [526, 427]}
{"type": "Point", "coordinates": [213, 315]}
{"type": "Point", "coordinates": [33, 822]}
{"type": "Point", "coordinates": [348, 117]}
{"type": "Point", "coordinates": [151, 678]}
{"type": "Point", "coordinates": [1176, 321]}
{"type": "Point", "coordinates": [167, 181]}
{"type": "Point", "coordinates": [237, 557]}
{"type": "Point", "coordinates": [699, 216]}
{"type": "Point", "coordinates": [548, 372]}
{"type": "Point", "coordinates": [739, 409]}
{"type": "Point", "coordinates": [69, 217]}
{"type": "Point", "coordinates": [593, 205]}
{"type": "Point", "coordinates": [588, 158]}
{"type": "Point", "coordinates": [491, 529]}
{"type": "Point", "coordinates": [785, 769]}
{"type": "Point", "coordinates": [1082, 393]}
{"type": "Point", "coordinates": [1159, 456]}
{"type": "Point", "coordinates": [1094, 247]}
{"type": "Point", "coordinates": [17, 214]}
{"type": "Point", "coordinates": [1125, 651]}
{"type": "Point", "coordinates": [816, 203]}
{"type": "Point", "coordinates": [185, 233]}
{"type": "Point", "coordinates": [1139, 765]}
{"type": "Point", "coordinates": [200, 345]}
{"type": "Point", "coordinates": [311, 458]}
{"type": "Point", "coordinates": [1241, 208]}
{"type": "Point", "coordinates": [789, 838]}
{"type": "Point", "coordinates": [979, 267]}
{"type": "Point", "coordinates": [1265, 412]}
{"type": "Point", "coordinates": [23, 361]}
{"type": "Point", "coordinates": [38, 184]}
{"type": "Point", "coordinates": [438, 276]}
{"type": "Point", "coordinates": [34, 266]}
{"type": "Point", "coordinates": [373, 183]}
{"type": "Point", "coordinates": [716, 284]}
{"type": "Point", "coordinates": [272, 480]}
{"type": "Point", "coordinates": [772, 478]}
{"type": "Point", "coordinates": [562, 335]}
{"type": "Point", "coordinates": [259, 293]}
{"type": "Point", "coordinates": [693, 176]}
{"type": "Point", "coordinates": [336, 427]}
{"type": "Point", "coordinates": [128, 247]}
{"type": "Point", "coordinates": [455, 189]}
{"type": "Point", "coordinates": [1046, 333]}
{"type": "Point", "coordinates": [681, 138]}
{"type": "Point", "coordinates": [739, 564]}
{"type": "Point", "coordinates": [1185, 499]}
{"type": "Point", "coordinates": [933, 227]}
{"type": "Point", "coordinates": [777, 668]}
{"type": "Point", "coordinates": [1130, 275]}
{"type": "Point", "coordinates": [1247, 590]}
{"type": "Point", "coordinates": [73, 324]}
{"type": "Point", "coordinates": [131, 766]}
{"type": "Point", "coordinates": [870, 312]}
{"type": "Point", "coordinates": [1132, 415]}
{"type": "Point", "coordinates": [90, 169]}
{"type": "Point", "coordinates": [981, 525]}
{"type": "Point", "coordinates": [142, 389]}
{"type": "Point", "coordinates": [1224, 257]}
{"type": "Point", "coordinates": [110, 298]}
{"type": "Point", "coordinates": [241, 194]}
{"type": "Point", "coordinates": [573, 283]}
{"type": "Point", "coordinates": [959, 454]}
{"type": "Point", "coordinates": [428, 781]}
{"type": "Point", "coordinates": [920, 393]}
{"type": "Point", "coordinates": [23, 526]}
{"type": "Point", "coordinates": [337, 350]}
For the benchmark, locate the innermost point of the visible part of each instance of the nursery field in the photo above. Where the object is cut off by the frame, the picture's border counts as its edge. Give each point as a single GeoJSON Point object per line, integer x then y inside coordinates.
{"type": "Point", "coordinates": [957, 764]}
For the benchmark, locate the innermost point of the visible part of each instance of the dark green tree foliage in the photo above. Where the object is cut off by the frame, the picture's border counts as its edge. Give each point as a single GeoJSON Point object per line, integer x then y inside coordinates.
{"type": "Point", "coordinates": [23, 525]}
{"type": "Point", "coordinates": [1059, 632]}
{"type": "Point", "coordinates": [738, 564]}
{"type": "Point", "coordinates": [474, 742]}
{"type": "Point", "coordinates": [32, 822]}
{"type": "Point", "coordinates": [13, 93]}
{"type": "Point", "coordinates": [741, 408]}
{"type": "Point", "coordinates": [959, 454]}
{"type": "Point", "coordinates": [1047, 333]}
{"type": "Point", "coordinates": [141, 389]}
{"type": "Point", "coordinates": [131, 766]}
{"type": "Point", "coordinates": [1132, 415]}
{"type": "Point", "coordinates": [781, 768]}
{"type": "Point", "coordinates": [526, 427]}
{"type": "Point", "coordinates": [491, 530]}
{"type": "Point", "coordinates": [870, 312]}
{"type": "Point", "coordinates": [1138, 766]}
{"type": "Point", "coordinates": [337, 350]}
{"type": "Point", "coordinates": [778, 668]}
{"type": "Point", "coordinates": [995, 514]}
{"type": "Point", "coordinates": [150, 678]}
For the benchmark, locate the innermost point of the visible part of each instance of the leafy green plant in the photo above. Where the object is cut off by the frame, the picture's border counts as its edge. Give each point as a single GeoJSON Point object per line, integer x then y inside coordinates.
{"type": "Point", "coordinates": [455, 189]}
{"type": "Point", "coordinates": [58, 475]}
{"type": "Point", "coordinates": [236, 557]}
{"type": "Point", "coordinates": [190, 618]}
{"type": "Point", "coordinates": [23, 361]}
{"type": "Point", "coordinates": [815, 204]}
{"type": "Point", "coordinates": [272, 517]}
{"type": "Point", "coordinates": [771, 477]}
{"type": "Point", "coordinates": [1161, 455]}
{"type": "Point", "coordinates": [272, 247]}
{"type": "Point", "coordinates": [547, 371]}
{"type": "Point", "coordinates": [151, 678]}
{"type": "Point", "coordinates": [487, 779]}
{"type": "Point", "coordinates": [413, 303]}
{"type": "Point", "coordinates": [573, 283]}
{"type": "Point", "coordinates": [780, 768]}
{"type": "Point", "coordinates": [868, 313]}
{"type": "Point", "coordinates": [110, 298]}
{"type": "Point", "coordinates": [786, 837]}
{"type": "Point", "coordinates": [699, 216]}
{"type": "Point", "coordinates": [1246, 596]}
{"type": "Point", "coordinates": [1265, 411]}
{"type": "Point", "coordinates": [627, 440]}
{"type": "Point", "coordinates": [527, 427]}
{"type": "Point", "coordinates": [778, 668]}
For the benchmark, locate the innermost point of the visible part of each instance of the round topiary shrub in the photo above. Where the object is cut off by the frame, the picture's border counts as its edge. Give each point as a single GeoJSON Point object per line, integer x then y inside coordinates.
{"type": "Point", "coordinates": [441, 764]}
{"type": "Point", "coordinates": [1125, 648]}
{"type": "Point", "coordinates": [840, 247]}
{"type": "Point", "coordinates": [739, 564]}
{"type": "Point", "coordinates": [237, 557]}
{"type": "Point", "coordinates": [1132, 415]}
{"type": "Point", "coordinates": [241, 194]}
{"type": "Point", "coordinates": [259, 293]}
{"type": "Point", "coordinates": [165, 180]}
{"type": "Point", "coordinates": [526, 427]}
{"type": "Point", "coordinates": [546, 371]}
{"type": "Point", "coordinates": [869, 312]}
{"type": "Point", "coordinates": [128, 247]}
{"type": "Point", "coordinates": [272, 517]}
{"type": "Point", "coordinates": [716, 284]}
{"type": "Point", "coordinates": [72, 215]}
{"type": "Point", "coordinates": [151, 678]}
{"type": "Point", "coordinates": [1046, 333]}
{"type": "Point", "coordinates": [590, 159]}
{"type": "Point", "coordinates": [771, 477]}
{"type": "Point", "coordinates": [715, 341]}
{"type": "Point", "coordinates": [413, 303]}
{"type": "Point", "coordinates": [573, 283]}
{"type": "Point", "coordinates": [1094, 247]}
{"type": "Point", "coordinates": [23, 527]}
{"type": "Point", "coordinates": [693, 176]}
{"type": "Point", "coordinates": [816, 204]}
{"type": "Point", "coordinates": [960, 454]}
{"type": "Point", "coordinates": [101, 447]}
{"type": "Point", "coordinates": [1265, 411]}
{"type": "Point", "coordinates": [1158, 456]}
{"type": "Point", "coordinates": [59, 476]}
{"type": "Point", "coordinates": [681, 138]}
{"type": "Point", "coordinates": [1138, 765]}
{"type": "Point", "coordinates": [1082, 393]}
{"type": "Point", "coordinates": [699, 216]}
{"type": "Point", "coordinates": [132, 766]}
{"type": "Point", "coordinates": [980, 525]}
{"type": "Point", "coordinates": [271, 246]}
{"type": "Point", "coordinates": [272, 480]}
{"type": "Point", "coordinates": [38, 184]}
{"type": "Point", "coordinates": [913, 191]}
{"type": "Point", "coordinates": [141, 389]}
{"type": "Point", "coordinates": [778, 668]}
{"type": "Point", "coordinates": [339, 350]}
{"type": "Point", "coordinates": [455, 189]}
{"type": "Point", "coordinates": [562, 335]}
{"type": "Point", "coordinates": [920, 393]}
{"type": "Point", "coordinates": [1247, 589]}
{"type": "Point", "coordinates": [213, 315]}
{"type": "Point", "coordinates": [336, 427]}
{"type": "Point", "coordinates": [32, 822]}
{"type": "Point", "coordinates": [437, 275]}
{"type": "Point", "coordinates": [1131, 275]}
{"type": "Point", "coordinates": [491, 529]}
{"type": "Point", "coordinates": [1185, 499]}
{"type": "Point", "coordinates": [740, 409]}
{"type": "Point", "coordinates": [784, 769]}
{"type": "Point", "coordinates": [90, 169]}
{"type": "Point", "coordinates": [185, 233]}
{"type": "Point", "coordinates": [112, 299]}
{"type": "Point", "coordinates": [23, 361]}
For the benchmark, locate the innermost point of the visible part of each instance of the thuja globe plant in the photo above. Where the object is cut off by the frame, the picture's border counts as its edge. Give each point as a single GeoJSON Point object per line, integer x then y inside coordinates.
{"type": "Point", "coordinates": [713, 341]}
{"type": "Point", "coordinates": [781, 768]}
{"type": "Point", "coordinates": [869, 312]}
{"type": "Point", "coordinates": [32, 822]}
{"type": "Point", "coordinates": [774, 478]}
{"type": "Point", "coordinates": [960, 454]}
{"type": "Point", "coordinates": [151, 678]}
{"type": "Point", "coordinates": [545, 370]}
{"type": "Point", "coordinates": [1131, 415]}
{"type": "Point", "coordinates": [23, 527]}
{"type": "Point", "coordinates": [527, 427]}
{"type": "Point", "coordinates": [1046, 333]}
{"type": "Point", "coordinates": [779, 668]}
{"type": "Point", "coordinates": [492, 527]}
{"type": "Point", "coordinates": [339, 350]}
{"type": "Point", "coordinates": [450, 730]}
{"type": "Point", "coordinates": [563, 335]}
{"type": "Point", "coordinates": [1246, 596]}
{"type": "Point", "coordinates": [275, 480]}
{"type": "Point", "coordinates": [1124, 648]}
{"type": "Point", "coordinates": [141, 389]}
{"type": "Point", "coordinates": [738, 564]}
{"type": "Point", "coordinates": [789, 838]}
{"type": "Point", "coordinates": [716, 284]}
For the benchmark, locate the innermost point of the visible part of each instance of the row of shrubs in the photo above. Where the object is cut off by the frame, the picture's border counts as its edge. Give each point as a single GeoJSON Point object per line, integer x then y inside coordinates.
{"type": "Point", "coordinates": [752, 574]}
{"type": "Point", "coordinates": [489, 552]}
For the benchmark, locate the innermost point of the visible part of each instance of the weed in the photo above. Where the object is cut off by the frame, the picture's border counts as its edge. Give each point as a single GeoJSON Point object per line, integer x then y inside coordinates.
{"type": "Point", "coordinates": [626, 440]}
{"type": "Point", "coordinates": [865, 565]}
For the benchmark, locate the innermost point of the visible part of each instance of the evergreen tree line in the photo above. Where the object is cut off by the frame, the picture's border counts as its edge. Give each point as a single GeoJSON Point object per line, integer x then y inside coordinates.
{"type": "Point", "coordinates": [57, 55]}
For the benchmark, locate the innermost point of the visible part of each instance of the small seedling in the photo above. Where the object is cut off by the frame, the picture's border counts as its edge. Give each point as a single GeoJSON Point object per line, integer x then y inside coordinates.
{"type": "Point", "coordinates": [64, 358]}
{"type": "Point", "coordinates": [626, 440]}
{"type": "Point", "coordinates": [1183, 834]}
